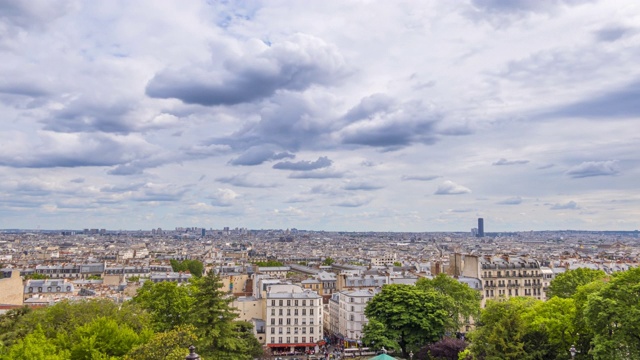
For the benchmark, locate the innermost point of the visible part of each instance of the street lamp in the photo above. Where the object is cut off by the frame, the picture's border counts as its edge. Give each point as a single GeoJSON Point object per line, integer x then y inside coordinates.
{"type": "Point", "coordinates": [573, 351]}
{"type": "Point", "coordinates": [411, 355]}
{"type": "Point", "coordinates": [192, 354]}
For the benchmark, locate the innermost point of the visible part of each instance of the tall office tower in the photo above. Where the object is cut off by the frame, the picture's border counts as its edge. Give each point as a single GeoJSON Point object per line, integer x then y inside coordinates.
{"type": "Point", "coordinates": [480, 227]}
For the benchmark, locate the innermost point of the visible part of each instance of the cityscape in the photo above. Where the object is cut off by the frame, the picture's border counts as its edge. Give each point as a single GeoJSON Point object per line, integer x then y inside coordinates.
{"type": "Point", "coordinates": [306, 180]}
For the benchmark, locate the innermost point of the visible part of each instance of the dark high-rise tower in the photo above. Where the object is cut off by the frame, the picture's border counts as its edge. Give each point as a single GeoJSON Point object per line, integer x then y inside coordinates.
{"type": "Point", "coordinates": [480, 227]}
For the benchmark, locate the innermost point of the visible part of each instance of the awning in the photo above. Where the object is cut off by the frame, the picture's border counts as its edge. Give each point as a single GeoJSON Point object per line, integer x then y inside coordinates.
{"type": "Point", "coordinates": [292, 345]}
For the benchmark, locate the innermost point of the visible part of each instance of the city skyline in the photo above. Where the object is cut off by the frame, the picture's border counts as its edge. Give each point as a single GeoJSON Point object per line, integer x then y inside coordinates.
{"type": "Point", "coordinates": [352, 116]}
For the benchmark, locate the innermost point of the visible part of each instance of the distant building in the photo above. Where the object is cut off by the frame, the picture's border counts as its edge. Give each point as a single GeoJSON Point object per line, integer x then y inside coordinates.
{"type": "Point", "coordinates": [48, 288]}
{"type": "Point", "coordinates": [480, 227]}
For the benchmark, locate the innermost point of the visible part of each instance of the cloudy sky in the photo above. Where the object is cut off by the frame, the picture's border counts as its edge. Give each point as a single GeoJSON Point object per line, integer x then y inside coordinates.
{"type": "Point", "coordinates": [322, 115]}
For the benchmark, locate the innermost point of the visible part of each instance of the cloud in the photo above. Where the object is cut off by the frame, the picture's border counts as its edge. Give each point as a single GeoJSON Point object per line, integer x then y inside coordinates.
{"type": "Point", "coordinates": [408, 123]}
{"type": "Point", "coordinates": [362, 186]}
{"type": "Point", "coordinates": [617, 103]}
{"type": "Point", "coordinates": [223, 197]}
{"type": "Point", "coordinates": [318, 174]}
{"type": "Point", "coordinates": [257, 155]}
{"type": "Point", "coordinates": [613, 33]}
{"type": "Point", "coordinates": [419, 177]}
{"type": "Point", "coordinates": [450, 188]}
{"type": "Point", "coordinates": [511, 201]}
{"type": "Point", "coordinates": [594, 168]}
{"type": "Point", "coordinates": [571, 205]}
{"type": "Point", "coordinates": [160, 192]}
{"type": "Point", "coordinates": [298, 199]}
{"type": "Point", "coordinates": [353, 202]}
{"type": "Point", "coordinates": [522, 6]}
{"type": "Point", "coordinates": [369, 106]}
{"type": "Point", "coordinates": [263, 69]}
{"type": "Point", "coordinates": [244, 180]}
{"type": "Point", "coordinates": [304, 165]}
{"type": "Point", "coordinates": [504, 161]}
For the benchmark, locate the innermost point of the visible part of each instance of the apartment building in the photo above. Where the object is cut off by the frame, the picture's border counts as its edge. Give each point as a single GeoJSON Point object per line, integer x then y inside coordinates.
{"type": "Point", "coordinates": [351, 318]}
{"type": "Point", "coordinates": [293, 318]}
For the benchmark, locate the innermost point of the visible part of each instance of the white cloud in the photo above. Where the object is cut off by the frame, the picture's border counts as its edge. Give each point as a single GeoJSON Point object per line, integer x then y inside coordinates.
{"type": "Point", "coordinates": [450, 188]}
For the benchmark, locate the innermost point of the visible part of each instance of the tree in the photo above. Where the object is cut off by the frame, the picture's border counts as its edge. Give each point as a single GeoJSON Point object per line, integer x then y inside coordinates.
{"type": "Point", "coordinates": [35, 346]}
{"type": "Point", "coordinates": [614, 315]}
{"type": "Point", "coordinates": [194, 267]}
{"type": "Point", "coordinates": [328, 261]}
{"type": "Point", "coordinates": [36, 276]}
{"type": "Point", "coordinates": [465, 301]}
{"type": "Point", "coordinates": [550, 327]}
{"type": "Point", "coordinates": [168, 303]}
{"type": "Point", "coordinates": [397, 263]}
{"type": "Point", "coordinates": [567, 283]}
{"type": "Point", "coordinates": [11, 325]}
{"type": "Point", "coordinates": [501, 330]}
{"type": "Point", "coordinates": [104, 338]}
{"type": "Point", "coordinates": [269, 263]}
{"type": "Point", "coordinates": [213, 317]}
{"type": "Point", "coordinates": [375, 336]}
{"type": "Point", "coordinates": [584, 332]}
{"type": "Point", "coordinates": [411, 316]}
{"type": "Point", "coordinates": [170, 345]}
{"type": "Point", "coordinates": [447, 348]}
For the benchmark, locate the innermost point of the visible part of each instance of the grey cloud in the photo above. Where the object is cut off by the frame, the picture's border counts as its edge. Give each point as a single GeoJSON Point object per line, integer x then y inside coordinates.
{"type": "Point", "coordinates": [259, 154]}
{"type": "Point", "coordinates": [369, 106]}
{"type": "Point", "coordinates": [77, 180]}
{"type": "Point", "coordinates": [163, 193]}
{"type": "Point", "coordinates": [362, 186]}
{"type": "Point", "coordinates": [298, 199]}
{"type": "Point", "coordinates": [244, 180]}
{"type": "Point", "coordinates": [511, 201]}
{"type": "Point", "coordinates": [617, 103]}
{"type": "Point", "coordinates": [31, 14]}
{"type": "Point", "coordinates": [571, 205]}
{"type": "Point", "coordinates": [126, 169]}
{"type": "Point", "coordinates": [304, 165]}
{"type": "Point", "coordinates": [523, 6]}
{"type": "Point", "coordinates": [450, 188]}
{"type": "Point", "coordinates": [613, 33]}
{"type": "Point", "coordinates": [325, 189]}
{"type": "Point", "coordinates": [353, 202]}
{"type": "Point", "coordinates": [294, 65]}
{"type": "Point", "coordinates": [24, 89]}
{"type": "Point", "coordinates": [547, 166]}
{"type": "Point", "coordinates": [467, 210]}
{"type": "Point", "coordinates": [121, 188]}
{"type": "Point", "coordinates": [594, 168]}
{"type": "Point", "coordinates": [504, 161]}
{"type": "Point", "coordinates": [321, 174]}
{"type": "Point", "coordinates": [78, 150]}
{"type": "Point", "coordinates": [419, 177]}
{"type": "Point", "coordinates": [410, 123]}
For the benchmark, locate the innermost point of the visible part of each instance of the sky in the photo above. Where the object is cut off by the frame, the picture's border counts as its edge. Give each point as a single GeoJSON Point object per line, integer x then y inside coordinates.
{"type": "Point", "coordinates": [320, 115]}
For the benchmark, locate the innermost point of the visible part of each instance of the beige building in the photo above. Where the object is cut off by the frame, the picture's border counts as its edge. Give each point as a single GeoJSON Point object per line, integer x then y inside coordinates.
{"type": "Point", "coordinates": [11, 289]}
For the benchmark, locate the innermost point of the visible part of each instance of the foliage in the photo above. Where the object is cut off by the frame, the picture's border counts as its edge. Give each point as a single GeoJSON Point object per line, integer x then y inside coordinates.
{"type": "Point", "coordinates": [397, 263]}
{"type": "Point", "coordinates": [375, 336]}
{"type": "Point", "coordinates": [554, 321]}
{"type": "Point", "coordinates": [170, 345]}
{"type": "Point", "coordinates": [447, 348]}
{"type": "Point", "coordinates": [36, 276]}
{"type": "Point", "coordinates": [465, 301]}
{"type": "Point", "coordinates": [35, 346]}
{"type": "Point", "coordinates": [328, 261]}
{"type": "Point", "coordinates": [614, 315]}
{"type": "Point", "coordinates": [168, 303]}
{"type": "Point", "coordinates": [194, 267]}
{"type": "Point", "coordinates": [584, 332]}
{"type": "Point", "coordinates": [566, 284]}
{"type": "Point", "coordinates": [269, 263]}
{"type": "Point", "coordinates": [501, 330]}
{"type": "Point", "coordinates": [104, 338]}
{"type": "Point", "coordinates": [94, 277]}
{"type": "Point", "coordinates": [214, 319]}
{"type": "Point", "coordinates": [11, 328]}
{"type": "Point", "coordinates": [410, 315]}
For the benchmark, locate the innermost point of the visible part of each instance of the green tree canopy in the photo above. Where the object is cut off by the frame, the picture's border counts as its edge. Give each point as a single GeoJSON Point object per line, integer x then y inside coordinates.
{"type": "Point", "coordinates": [566, 284]}
{"type": "Point", "coordinates": [411, 316]}
{"type": "Point", "coordinates": [194, 267]}
{"type": "Point", "coordinates": [614, 315]}
{"type": "Point", "coordinates": [328, 261]}
{"type": "Point", "coordinates": [465, 301]}
{"type": "Point", "coordinates": [168, 303]}
{"type": "Point", "coordinates": [269, 263]}
{"type": "Point", "coordinates": [170, 345]}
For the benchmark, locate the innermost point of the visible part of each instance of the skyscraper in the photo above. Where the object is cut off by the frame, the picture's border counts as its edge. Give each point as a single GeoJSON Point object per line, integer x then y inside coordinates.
{"type": "Point", "coordinates": [480, 227]}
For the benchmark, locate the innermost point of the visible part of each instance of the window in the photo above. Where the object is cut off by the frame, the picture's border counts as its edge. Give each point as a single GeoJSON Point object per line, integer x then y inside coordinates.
{"type": "Point", "coordinates": [311, 330]}
{"type": "Point", "coordinates": [288, 330]}
{"type": "Point", "coordinates": [288, 302]}
{"type": "Point", "coordinates": [280, 339]}
{"type": "Point", "coordinates": [310, 311]}
{"type": "Point", "coordinates": [30, 289]}
{"type": "Point", "coordinates": [288, 339]}
{"type": "Point", "coordinates": [352, 308]}
{"type": "Point", "coordinates": [280, 302]}
{"type": "Point", "coordinates": [304, 339]}
{"type": "Point", "coordinates": [311, 339]}
{"type": "Point", "coordinates": [273, 303]}
{"type": "Point", "coordinates": [304, 302]}
{"type": "Point", "coordinates": [280, 312]}
{"type": "Point", "coordinates": [304, 330]}
{"type": "Point", "coordinates": [296, 302]}
{"type": "Point", "coordinates": [280, 321]}
{"type": "Point", "coordinates": [295, 339]}
{"type": "Point", "coordinates": [273, 312]}
{"type": "Point", "coordinates": [295, 321]}
{"type": "Point", "coordinates": [310, 302]}
{"type": "Point", "coordinates": [280, 331]}
{"type": "Point", "coordinates": [273, 321]}
{"type": "Point", "coordinates": [304, 312]}
{"type": "Point", "coordinates": [288, 312]}
{"type": "Point", "coordinates": [273, 330]}
{"type": "Point", "coordinates": [288, 321]}
{"type": "Point", "coordinates": [295, 312]}
{"type": "Point", "coordinates": [273, 340]}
